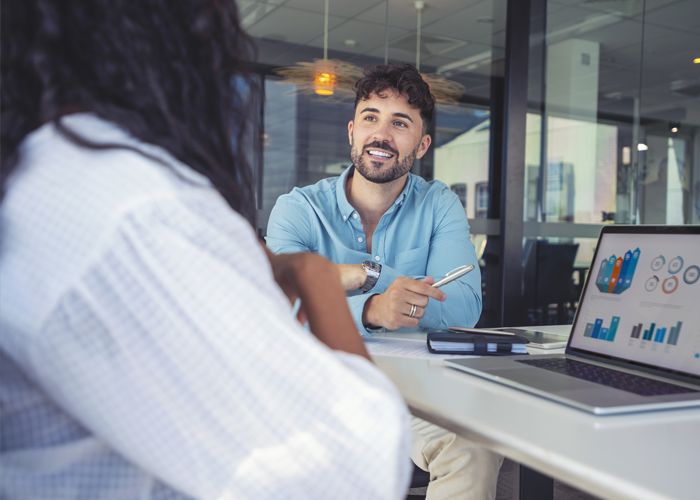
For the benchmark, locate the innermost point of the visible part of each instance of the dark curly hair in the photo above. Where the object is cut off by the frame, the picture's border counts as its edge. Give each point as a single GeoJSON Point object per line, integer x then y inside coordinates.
{"type": "Point", "coordinates": [406, 80]}
{"type": "Point", "coordinates": [174, 73]}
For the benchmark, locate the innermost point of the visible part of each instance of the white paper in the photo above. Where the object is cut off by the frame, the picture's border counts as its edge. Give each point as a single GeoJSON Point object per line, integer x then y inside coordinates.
{"type": "Point", "coordinates": [404, 348]}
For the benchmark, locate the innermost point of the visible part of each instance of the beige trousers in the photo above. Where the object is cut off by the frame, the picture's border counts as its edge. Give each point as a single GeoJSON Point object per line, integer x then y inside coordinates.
{"type": "Point", "coordinates": [459, 469]}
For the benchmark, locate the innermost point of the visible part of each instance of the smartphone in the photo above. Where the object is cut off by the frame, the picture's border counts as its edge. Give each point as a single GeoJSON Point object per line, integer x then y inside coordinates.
{"type": "Point", "coordinates": [453, 275]}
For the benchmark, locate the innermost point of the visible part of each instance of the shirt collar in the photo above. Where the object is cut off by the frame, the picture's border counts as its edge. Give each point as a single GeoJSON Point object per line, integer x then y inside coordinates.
{"type": "Point", "coordinates": [346, 210]}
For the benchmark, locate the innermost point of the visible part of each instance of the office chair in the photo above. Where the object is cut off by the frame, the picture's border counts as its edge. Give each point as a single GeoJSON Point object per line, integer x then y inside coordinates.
{"type": "Point", "coordinates": [547, 279]}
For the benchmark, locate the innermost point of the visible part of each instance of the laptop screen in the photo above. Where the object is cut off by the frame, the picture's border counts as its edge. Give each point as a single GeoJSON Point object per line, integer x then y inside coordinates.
{"type": "Point", "coordinates": [642, 301]}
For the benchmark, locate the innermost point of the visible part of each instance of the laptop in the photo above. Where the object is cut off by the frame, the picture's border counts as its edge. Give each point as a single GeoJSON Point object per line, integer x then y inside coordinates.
{"type": "Point", "coordinates": [635, 341]}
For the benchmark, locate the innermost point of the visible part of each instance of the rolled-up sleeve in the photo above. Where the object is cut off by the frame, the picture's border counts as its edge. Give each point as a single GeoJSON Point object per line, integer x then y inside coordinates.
{"type": "Point", "coordinates": [450, 247]}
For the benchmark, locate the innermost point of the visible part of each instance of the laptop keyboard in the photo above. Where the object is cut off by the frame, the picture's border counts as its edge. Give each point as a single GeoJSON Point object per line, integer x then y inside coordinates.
{"type": "Point", "coordinates": [605, 376]}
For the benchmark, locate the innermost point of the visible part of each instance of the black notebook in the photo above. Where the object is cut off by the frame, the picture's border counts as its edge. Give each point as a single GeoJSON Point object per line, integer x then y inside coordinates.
{"type": "Point", "coordinates": [477, 344]}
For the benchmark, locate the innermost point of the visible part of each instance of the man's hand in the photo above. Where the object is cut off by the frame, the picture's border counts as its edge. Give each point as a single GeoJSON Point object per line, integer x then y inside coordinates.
{"type": "Point", "coordinates": [352, 276]}
{"type": "Point", "coordinates": [391, 309]}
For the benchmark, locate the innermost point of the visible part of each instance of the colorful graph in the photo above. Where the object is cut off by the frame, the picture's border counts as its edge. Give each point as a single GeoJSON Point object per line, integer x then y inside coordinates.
{"type": "Point", "coordinates": [658, 334]}
{"type": "Point", "coordinates": [615, 274]}
{"type": "Point", "coordinates": [596, 330]}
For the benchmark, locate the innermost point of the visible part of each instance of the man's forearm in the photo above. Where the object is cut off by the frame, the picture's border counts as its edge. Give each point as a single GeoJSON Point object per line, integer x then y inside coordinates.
{"type": "Point", "coordinates": [352, 276]}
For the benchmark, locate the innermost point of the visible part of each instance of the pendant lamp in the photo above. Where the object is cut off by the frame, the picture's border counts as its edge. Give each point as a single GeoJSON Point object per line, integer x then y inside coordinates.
{"type": "Point", "coordinates": [324, 77]}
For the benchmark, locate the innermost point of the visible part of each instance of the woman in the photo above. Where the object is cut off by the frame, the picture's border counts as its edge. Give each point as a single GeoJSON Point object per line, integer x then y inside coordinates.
{"type": "Point", "coordinates": [148, 346]}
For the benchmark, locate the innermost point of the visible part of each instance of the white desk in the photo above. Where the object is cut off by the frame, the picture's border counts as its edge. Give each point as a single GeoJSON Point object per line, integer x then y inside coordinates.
{"type": "Point", "coordinates": [653, 455]}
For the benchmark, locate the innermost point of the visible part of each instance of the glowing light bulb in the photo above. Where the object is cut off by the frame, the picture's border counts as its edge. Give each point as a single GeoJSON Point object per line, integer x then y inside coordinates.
{"type": "Point", "coordinates": [642, 147]}
{"type": "Point", "coordinates": [324, 83]}
{"type": "Point", "coordinates": [696, 60]}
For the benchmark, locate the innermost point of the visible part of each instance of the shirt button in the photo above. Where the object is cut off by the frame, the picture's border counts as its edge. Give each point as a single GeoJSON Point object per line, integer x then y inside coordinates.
{"type": "Point", "coordinates": [345, 217]}
{"type": "Point", "coordinates": [359, 239]}
{"type": "Point", "coordinates": [354, 216]}
{"type": "Point", "coordinates": [377, 258]}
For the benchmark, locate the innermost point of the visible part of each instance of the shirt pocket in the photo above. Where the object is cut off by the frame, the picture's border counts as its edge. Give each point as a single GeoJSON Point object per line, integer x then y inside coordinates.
{"type": "Point", "coordinates": [412, 262]}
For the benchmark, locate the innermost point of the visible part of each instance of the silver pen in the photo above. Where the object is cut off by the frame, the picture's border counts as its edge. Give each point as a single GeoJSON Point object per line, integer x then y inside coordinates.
{"type": "Point", "coordinates": [453, 275]}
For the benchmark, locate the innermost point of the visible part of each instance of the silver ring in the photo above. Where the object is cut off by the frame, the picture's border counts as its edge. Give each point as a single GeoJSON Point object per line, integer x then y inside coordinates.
{"type": "Point", "coordinates": [413, 311]}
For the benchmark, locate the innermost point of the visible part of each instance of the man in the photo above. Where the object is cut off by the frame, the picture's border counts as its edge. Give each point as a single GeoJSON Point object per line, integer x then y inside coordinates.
{"type": "Point", "coordinates": [391, 233]}
{"type": "Point", "coordinates": [148, 350]}
{"type": "Point", "coordinates": [382, 224]}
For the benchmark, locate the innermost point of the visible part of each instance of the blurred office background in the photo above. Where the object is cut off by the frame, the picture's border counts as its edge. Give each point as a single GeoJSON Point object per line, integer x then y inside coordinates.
{"type": "Point", "coordinates": [571, 114]}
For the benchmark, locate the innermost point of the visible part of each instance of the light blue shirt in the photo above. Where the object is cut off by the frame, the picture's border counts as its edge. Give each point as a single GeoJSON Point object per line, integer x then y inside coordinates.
{"type": "Point", "coordinates": [424, 233]}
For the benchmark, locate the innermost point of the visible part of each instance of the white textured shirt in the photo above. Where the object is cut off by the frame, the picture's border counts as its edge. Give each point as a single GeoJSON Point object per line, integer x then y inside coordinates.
{"type": "Point", "coordinates": [147, 353]}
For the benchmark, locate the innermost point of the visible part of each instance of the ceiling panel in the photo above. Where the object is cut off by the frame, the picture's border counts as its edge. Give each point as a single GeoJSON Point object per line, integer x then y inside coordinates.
{"type": "Point", "coordinates": [627, 8]}
{"type": "Point", "coordinates": [669, 42]}
{"type": "Point", "coordinates": [251, 11]}
{"type": "Point", "coordinates": [292, 25]}
{"type": "Point", "coordinates": [498, 39]}
{"type": "Point", "coordinates": [666, 52]}
{"type": "Point", "coordinates": [619, 34]}
{"type": "Point", "coordinates": [464, 25]}
{"type": "Point", "coordinates": [367, 36]}
{"type": "Point", "coordinates": [575, 22]}
{"type": "Point", "coordinates": [395, 55]}
{"type": "Point", "coordinates": [683, 16]}
{"type": "Point", "coordinates": [403, 14]}
{"type": "Point", "coordinates": [340, 8]}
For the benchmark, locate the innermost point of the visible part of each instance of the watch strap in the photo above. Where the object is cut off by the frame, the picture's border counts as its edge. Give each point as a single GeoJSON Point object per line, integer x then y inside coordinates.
{"type": "Point", "coordinates": [373, 271]}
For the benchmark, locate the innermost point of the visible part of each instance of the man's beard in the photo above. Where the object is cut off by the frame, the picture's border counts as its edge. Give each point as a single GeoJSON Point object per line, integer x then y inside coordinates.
{"type": "Point", "coordinates": [373, 172]}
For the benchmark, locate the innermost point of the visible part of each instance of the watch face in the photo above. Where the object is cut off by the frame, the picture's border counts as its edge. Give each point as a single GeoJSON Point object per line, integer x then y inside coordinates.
{"type": "Point", "coordinates": [372, 267]}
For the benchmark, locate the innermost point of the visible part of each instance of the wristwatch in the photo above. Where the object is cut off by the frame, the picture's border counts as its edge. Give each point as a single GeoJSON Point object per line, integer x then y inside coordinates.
{"type": "Point", "coordinates": [373, 271]}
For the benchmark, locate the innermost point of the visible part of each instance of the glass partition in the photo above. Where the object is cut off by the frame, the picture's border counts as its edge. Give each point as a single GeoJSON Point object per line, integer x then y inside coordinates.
{"type": "Point", "coordinates": [612, 134]}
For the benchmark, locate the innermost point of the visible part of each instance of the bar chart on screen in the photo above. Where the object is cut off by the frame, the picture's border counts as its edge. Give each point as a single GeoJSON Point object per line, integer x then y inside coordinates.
{"type": "Point", "coordinates": [598, 331]}
{"type": "Point", "coordinates": [666, 334]}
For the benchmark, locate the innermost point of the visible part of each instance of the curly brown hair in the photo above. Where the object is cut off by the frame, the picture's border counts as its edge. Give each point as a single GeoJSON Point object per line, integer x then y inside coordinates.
{"type": "Point", "coordinates": [403, 78]}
